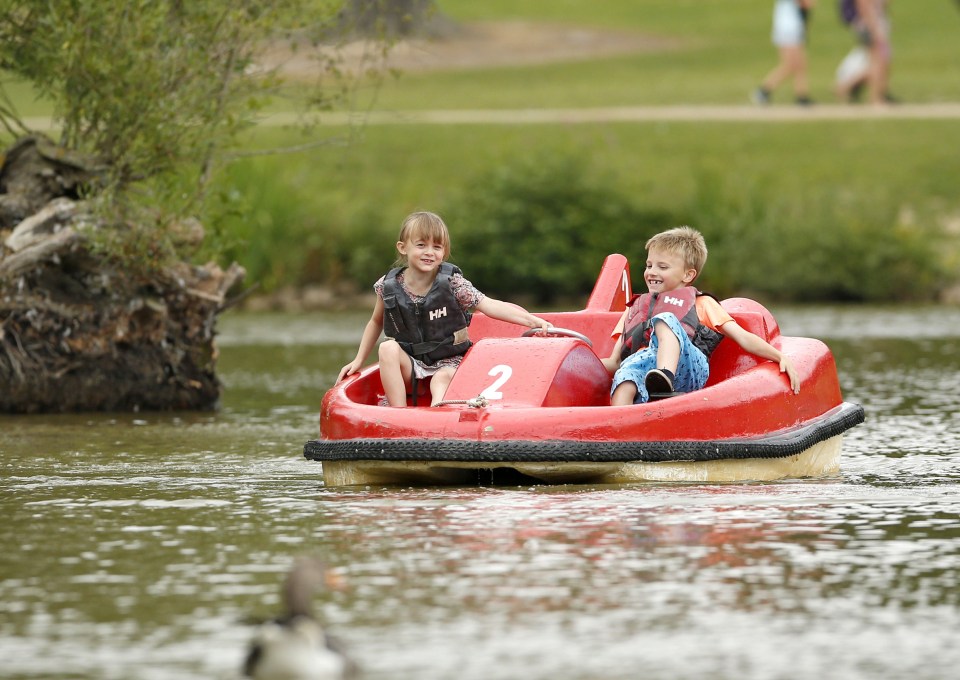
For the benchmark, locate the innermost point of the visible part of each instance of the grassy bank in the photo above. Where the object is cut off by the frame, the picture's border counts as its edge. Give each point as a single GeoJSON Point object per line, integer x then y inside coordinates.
{"type": "Point", "coordinates": [815, 198]}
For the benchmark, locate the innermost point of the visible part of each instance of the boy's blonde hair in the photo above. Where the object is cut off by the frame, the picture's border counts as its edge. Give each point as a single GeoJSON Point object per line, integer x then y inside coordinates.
{"type": "Point", "coordinates": [684, 241]}
{"type": "Point", "coordinates": [427, 226]}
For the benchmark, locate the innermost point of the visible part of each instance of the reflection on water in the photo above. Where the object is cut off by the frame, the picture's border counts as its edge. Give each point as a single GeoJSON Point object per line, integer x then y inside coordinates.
{"type": "Point", "coordinates": [139, 545]}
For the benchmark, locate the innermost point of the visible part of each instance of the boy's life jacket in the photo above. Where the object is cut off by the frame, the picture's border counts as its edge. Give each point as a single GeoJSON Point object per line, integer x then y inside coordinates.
{"type": "Point", "coordinates": [681, 302]}
{"type": "Point", "coordinates": [432, 329]}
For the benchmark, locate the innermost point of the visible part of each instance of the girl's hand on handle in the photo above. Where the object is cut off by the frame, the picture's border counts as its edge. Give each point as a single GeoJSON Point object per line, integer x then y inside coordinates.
{"type": "Point", "coordinates": [541, 324]}
{"type": "Point", "coordinates": [349, 369]}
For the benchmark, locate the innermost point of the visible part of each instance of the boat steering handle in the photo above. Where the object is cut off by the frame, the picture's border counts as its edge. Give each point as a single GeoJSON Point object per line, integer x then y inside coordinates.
{"type": "Point", "coordinates": [552, 331]}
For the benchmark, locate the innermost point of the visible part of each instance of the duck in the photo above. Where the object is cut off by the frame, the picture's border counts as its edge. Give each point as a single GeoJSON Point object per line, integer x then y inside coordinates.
{"type": "Point", "coordinates": [295, 646]}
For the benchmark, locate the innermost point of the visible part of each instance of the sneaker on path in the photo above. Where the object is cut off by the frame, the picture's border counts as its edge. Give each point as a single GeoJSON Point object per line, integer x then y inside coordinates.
{"type": "Point", "coordinates": [760, 97]}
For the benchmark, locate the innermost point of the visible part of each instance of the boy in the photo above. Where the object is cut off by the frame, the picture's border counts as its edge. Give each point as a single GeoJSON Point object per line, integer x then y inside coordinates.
{"type": "Point", "coordinates": [666, 335]}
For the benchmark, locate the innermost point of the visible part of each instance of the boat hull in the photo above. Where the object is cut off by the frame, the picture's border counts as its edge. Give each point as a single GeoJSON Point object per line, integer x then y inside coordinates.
{"type": "Point", "coordinates": [820, 460]}
{"type": "Point", "coordinates": [810, 450]}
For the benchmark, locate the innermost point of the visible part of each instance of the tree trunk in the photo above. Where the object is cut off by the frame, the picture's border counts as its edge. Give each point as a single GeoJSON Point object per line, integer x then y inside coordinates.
{"type": "Point", "coordinates": [79, 333]}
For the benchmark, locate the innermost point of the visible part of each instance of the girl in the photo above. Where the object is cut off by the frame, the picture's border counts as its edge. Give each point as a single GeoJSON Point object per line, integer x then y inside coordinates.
{"type": "Point", "coordinates": [790, 18]}
{"type": "Point", "coordinates": [424, 307]}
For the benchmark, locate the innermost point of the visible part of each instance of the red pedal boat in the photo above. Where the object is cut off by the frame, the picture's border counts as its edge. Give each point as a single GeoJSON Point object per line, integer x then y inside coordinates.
{"type": "Point", "coordinates": [524, 409]}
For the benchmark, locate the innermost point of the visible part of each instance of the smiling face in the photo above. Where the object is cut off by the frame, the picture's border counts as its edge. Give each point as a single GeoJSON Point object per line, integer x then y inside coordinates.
{"type": "Point", "coordinates": [424, 242]}
{"type": "Point", "coordinates": [422, 254]}
{"type": "Point", "coordinates": [666, 271]}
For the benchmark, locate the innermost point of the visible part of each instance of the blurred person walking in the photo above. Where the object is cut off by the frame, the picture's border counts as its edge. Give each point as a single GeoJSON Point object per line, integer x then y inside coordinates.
{"type": "Point", "coordinates": [867, 65]}
{"type": "Point", "coordinates": [790, 22]}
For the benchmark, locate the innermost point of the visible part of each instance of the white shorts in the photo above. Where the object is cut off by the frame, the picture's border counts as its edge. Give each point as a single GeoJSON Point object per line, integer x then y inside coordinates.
{"type": "Point", "coordinates": [854, 66]}
{"type": "Point", "coordinates": [788, 28]}
{"type": "Point", "coordinates": [421, 370]}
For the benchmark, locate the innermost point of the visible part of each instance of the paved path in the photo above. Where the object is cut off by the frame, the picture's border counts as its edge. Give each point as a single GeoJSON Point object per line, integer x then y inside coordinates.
{"type": "Point", "coordinates": [620, 114]}
{"type": "Point", "coordinates": [624, 114]}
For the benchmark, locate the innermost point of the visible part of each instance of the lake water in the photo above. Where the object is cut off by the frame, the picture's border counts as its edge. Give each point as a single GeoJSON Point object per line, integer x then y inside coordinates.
{"type": "Point", "coordinates": [139, 545]}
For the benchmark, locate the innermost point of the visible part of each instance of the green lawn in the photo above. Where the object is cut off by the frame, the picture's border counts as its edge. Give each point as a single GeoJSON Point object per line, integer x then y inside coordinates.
{"type": "Point", "coordinates": [721, 49]}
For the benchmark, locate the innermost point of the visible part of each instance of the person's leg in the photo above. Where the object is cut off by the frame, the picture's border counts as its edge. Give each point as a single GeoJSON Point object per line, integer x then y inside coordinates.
{"type": "Point", "coordinates": [658, 380]}
{"type": "Point", "coordinates": [878, 76]}
{"type": "Point", "coordinates": [681, 367]}
{"type": "Point", "coordinates": [668, 346]}
{"type": "Point", "coordinates": [439, 384]}
{"type": "Point", "coordinates": [793, 64]}
{"type": "Point", "coordinates": [798, 68]}
{"type": "Point", "coordinates": [624, 394]}
{"type": "Point", "coordinates": [779, 73]}
{"type": "Point", "coordinates": [396, 367]}
{"type": "Point", "coordinates": [626, 387]}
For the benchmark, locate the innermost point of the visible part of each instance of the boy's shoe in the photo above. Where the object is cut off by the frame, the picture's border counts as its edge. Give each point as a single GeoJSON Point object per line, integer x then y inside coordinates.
{"type": "Point", "coordinates": [760, 96]}
{"type": "Point", "coordinates": [659, 383]}
{"type": "Point", "coordinates": [804, 101]}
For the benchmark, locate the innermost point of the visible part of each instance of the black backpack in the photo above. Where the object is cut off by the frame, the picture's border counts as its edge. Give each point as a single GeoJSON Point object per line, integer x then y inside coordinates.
{"type": "Point", "coordinates": [848, 11]}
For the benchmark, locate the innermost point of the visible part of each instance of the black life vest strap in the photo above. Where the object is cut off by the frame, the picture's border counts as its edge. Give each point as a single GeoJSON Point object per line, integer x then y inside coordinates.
{"type": "Point", "coordinates": [413, 382]}
{"type": "Point", "coordinates": [418, 349]}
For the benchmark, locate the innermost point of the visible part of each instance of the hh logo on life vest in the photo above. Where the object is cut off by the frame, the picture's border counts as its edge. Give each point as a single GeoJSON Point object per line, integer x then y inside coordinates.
{"type": "Point", "coordinates": [672, 301]}
{"type": "Point", "coordinates": [437, 313]}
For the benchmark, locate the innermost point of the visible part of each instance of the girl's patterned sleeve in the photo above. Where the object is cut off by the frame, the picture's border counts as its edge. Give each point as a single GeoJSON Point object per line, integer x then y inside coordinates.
{"type": "Point", "coordinates": [378, 286]}
{"type": "Point", "coordinates": [467, 296]}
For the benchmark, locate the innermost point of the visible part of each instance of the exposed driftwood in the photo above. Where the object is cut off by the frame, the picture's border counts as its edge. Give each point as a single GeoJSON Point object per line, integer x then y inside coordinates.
{"type": "Point", "coordinates": [79, 333]}
{"type": "Point", "coordinates": [38, 252]}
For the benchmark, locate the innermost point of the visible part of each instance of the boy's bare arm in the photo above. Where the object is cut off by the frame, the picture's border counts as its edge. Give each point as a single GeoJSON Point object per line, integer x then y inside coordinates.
{"type": "Point", "coordinates": [756, 345]}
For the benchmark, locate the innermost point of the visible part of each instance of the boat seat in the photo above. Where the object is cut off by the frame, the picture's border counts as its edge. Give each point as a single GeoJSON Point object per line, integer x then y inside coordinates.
{"type": "Point", "coordinates": [753, 322]}
{"type": "Point", "coordinates": [729, 359]}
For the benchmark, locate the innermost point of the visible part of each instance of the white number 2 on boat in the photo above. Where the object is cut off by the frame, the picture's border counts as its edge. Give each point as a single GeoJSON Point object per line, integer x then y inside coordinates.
{"type": "Point", "coordinates": [493, 392]}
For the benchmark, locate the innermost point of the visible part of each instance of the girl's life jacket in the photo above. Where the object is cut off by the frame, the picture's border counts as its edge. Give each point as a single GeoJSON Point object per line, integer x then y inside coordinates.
{"type": "Point", "coordinates": [681, 302]}
{"type": "Point", "coordinates": [432, 329]}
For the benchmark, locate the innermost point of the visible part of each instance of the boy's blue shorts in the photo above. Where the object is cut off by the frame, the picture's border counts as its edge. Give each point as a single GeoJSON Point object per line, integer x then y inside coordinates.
{"type": "Point", "coordinates": [692, 371]}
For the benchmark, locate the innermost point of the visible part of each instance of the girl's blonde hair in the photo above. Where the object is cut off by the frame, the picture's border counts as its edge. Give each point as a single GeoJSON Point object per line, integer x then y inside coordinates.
{"type": "Point", "coordinates": [427, 226]}
{"type": "Point", "coordinates": [684, 241]}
